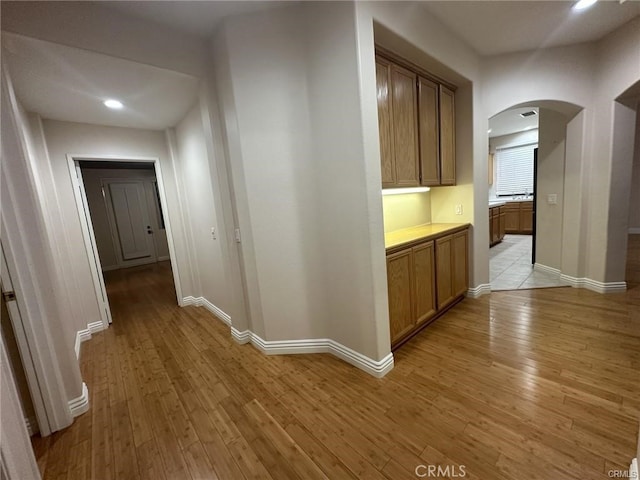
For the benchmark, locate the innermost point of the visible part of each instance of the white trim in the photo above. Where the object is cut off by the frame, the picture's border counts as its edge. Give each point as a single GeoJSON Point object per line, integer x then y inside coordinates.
{"type": "Point", "coordinates": [482, 289]}
{"type": "Point", "coordinates": [594, 285]}
{"type": "Point", "coordinates": [633, 469]}
{"type": "Point", "coordinates": [79, 405]}
{"type": "Point", "coordinates": [84, 335]}
{"type": "Point", "coordinates": [377, 368]}
{"type": "Point", "coordinates": [634, 230]}
{"type": "Point", "coordinates": [203, 302]}
{"type": "Point", "coordinates": [215, 310]}
{"type": "Point", "coordinates": [545, 268]}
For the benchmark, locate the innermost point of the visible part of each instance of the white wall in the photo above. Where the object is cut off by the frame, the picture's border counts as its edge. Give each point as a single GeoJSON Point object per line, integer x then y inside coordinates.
{"type": "Point", "coordinates": [589, 76]}
{"type": "Point", "coordinates": [551, 152]}
{"type": "Point", "coordinates": [65, 138]}
{"type": "Point", "coordinates": [33, 261]}
{"type": "Point", "coordinates": [302, 199]}
{"type": "Point", "coordinates": [192, 164]}
{"type": "Point", "coordinates": [634, 199]}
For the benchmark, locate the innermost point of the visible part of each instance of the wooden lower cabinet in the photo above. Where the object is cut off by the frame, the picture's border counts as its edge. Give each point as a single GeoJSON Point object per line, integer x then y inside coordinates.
{"type": "Point", "coordinates": [424, 280]}
{"type": "Point", "coordinates": [512, 217]}
{"type": "Point", "coordinates": [519, 217]}
{"type": "Point", "coordinates": [526, 217]}
{"type": "Point", "coordinates": [497, 218]}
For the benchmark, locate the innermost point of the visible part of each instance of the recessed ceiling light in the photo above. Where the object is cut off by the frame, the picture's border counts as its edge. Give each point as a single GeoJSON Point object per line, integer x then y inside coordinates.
{"type": "Point", "coordinates": [114, 104]}
{"type": "Point", "coordinates": [582, 4]}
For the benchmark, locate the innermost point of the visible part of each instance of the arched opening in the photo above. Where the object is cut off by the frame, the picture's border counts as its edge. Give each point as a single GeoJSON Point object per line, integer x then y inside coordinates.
{"type": "Point", "coordinates": [535, 152]}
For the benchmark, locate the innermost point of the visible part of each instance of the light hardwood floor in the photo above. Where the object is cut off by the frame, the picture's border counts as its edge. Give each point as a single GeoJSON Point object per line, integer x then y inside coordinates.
{"type": "Point", "coordinates": [533, 384]}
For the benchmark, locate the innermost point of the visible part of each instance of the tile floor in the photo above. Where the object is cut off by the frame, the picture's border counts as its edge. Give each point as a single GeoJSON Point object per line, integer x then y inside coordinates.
{"type": "Point", "coordinates": [511, 269]}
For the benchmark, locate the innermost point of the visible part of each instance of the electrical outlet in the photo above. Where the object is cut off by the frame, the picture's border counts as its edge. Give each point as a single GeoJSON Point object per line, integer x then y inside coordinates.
{"type": "Point", "coordinates": [458, 209]}
{"type": "Point", "coordinates": [213, 233]}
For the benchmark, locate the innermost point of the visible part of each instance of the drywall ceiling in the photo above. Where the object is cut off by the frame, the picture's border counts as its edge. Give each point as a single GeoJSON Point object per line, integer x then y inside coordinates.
{"type": "Point", "coordinates": [70, 84]}
{"type": "Point", "coordinates": [495, 27]}
{"type": "Point", "coordinates": [196, 17]}
{"type": "Point", "coordinates": [510, 121]}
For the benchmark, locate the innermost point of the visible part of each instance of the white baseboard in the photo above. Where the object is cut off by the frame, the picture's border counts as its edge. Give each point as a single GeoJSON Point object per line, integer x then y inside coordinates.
{"type": "Point", "coordinates": [377, 368]}
{"type": "Point", "coordinates": [79, 405]}
{"type": "Point", "coordinates": [84, 335]}
{"type": "Point", "coordinates": [594, 285]}
{"type": "Point", "coordinates": [482, 289]}
{"type": "Point", "coordinates": [634, 231]}
{"type": "Point", "coordinates": [203, 302]}
{"type": "Point", "coordinates": [164, 258]}
{"type": "Point", "coordinates": [32, 425]}
{"type": "Point", "coordinates": [545, 268]}
{"type": "Point", "coordinates": [111, 268]}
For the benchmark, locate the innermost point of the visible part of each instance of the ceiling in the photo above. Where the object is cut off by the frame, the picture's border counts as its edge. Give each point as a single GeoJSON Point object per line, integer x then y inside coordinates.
{"type": "Point", "coordinates": [200, 18]}
{"type": "Point", "coordinates": [510, 121]}
{"type": "Point", "coordinates": [70, 84]}
{"type": "Point", "coordinates": [496, 27]}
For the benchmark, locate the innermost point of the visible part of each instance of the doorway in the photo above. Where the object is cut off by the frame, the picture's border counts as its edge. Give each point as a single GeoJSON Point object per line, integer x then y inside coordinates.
{"type": "Point", "coordinates": [121, 204]}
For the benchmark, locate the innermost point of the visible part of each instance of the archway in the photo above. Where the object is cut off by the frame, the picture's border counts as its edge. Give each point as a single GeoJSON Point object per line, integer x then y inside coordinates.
{"type": "Point", "coordinates": [534, 223]}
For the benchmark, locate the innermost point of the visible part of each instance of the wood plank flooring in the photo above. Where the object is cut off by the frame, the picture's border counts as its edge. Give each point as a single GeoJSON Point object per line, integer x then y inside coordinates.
{"type": "Point", "coordinates": [535, 384]}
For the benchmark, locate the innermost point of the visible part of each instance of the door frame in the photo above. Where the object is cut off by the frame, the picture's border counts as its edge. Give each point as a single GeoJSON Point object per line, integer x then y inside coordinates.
{"type": "Point", "coordinates": [113, 227]}
{"type": "Point", "coordinates": [73, 162]}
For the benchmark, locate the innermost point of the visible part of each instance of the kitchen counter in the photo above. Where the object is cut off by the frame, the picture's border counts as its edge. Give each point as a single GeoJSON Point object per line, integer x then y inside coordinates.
{"type": "Point", "coordinates": [503, 201]}
{"type": "Point", "coordinates": [409, 235]}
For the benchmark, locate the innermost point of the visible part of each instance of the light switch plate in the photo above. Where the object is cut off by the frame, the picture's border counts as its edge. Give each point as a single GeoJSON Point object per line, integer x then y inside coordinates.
{"type": "Point", "coordinates": [552, 199]}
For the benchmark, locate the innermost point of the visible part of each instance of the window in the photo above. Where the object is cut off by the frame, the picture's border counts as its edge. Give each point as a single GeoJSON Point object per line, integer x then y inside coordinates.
{"type": "Point", "coordinates": [515, 170]}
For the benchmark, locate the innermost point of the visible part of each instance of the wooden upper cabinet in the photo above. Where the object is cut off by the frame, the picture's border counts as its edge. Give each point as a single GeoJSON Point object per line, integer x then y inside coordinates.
{"type": "Point", "coordinates": [405, 126]}
{"type": "Point", "coordinates": [447, 137]}
{"type": "Point", "coordinates": [429, 129]}
{"type": "Point", "coordinates": [385, 120]}
{"type": "Point", "coordinates": [416, 120]}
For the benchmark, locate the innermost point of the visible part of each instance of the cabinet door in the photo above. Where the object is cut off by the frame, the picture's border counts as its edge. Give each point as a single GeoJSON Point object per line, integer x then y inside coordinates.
{"type": "Point", "coordinates": [425, 278]}
{"type": "Point", "coordinates": [459, 254]}
{"type": "Point", "coordinates": [383, 90]}
{"type": "Point", "coordinates": [429, 132]}
{"type": "Point", "coordinates": [501, 224]}
{"type": "Point", "coordinates": [526, 217]}
{"type": "Point", "coordinates": [400, 289]}
{"type": "Point", "coordinates": [444, 273]}
{"type": "Point", "coordinates": [447, 137]}
{"type": "Point", "coordinates": [495, 228]}
{"type": "Point", "coordinates": [491, 226]}
{"type": "Point", "coordinates": [405, 126]}
{"type": "Point", "coordinates": [512, 218]}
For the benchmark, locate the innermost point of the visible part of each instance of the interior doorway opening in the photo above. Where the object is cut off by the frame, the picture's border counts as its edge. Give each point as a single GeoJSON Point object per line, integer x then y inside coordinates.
{"type": "Point", "coordinates": [123, 212]}
{"type": "Point", "coordinates": [527, 150]}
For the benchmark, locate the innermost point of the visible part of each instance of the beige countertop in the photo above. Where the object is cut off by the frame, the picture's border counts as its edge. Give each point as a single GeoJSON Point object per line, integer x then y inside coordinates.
{"type": "Point", "coordinates": [502, 201]}
{"type": "Point", "coordinates": [420, 232]}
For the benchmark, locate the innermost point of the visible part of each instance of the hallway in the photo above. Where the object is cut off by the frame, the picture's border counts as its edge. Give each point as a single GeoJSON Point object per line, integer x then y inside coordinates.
{"type": "Point", "coordinates": [522, 384]}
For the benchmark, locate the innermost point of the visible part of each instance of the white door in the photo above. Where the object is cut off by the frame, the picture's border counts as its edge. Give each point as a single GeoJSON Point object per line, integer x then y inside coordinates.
{"type": "Point", "coordinates": [130, 219]}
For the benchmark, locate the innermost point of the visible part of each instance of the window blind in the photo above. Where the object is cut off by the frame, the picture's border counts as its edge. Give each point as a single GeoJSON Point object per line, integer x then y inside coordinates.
{"type": "Point", "coordinates": [515, 169]}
